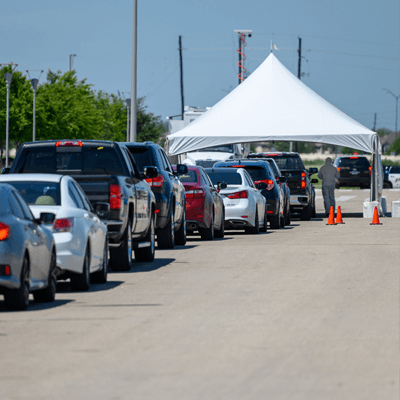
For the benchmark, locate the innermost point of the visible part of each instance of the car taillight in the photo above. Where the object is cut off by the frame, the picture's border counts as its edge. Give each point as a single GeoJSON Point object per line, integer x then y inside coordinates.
{"type": "Point", "coordinates": [244, 194]}
{"type": "Point", "coordinates": [4, 231]}
{"type": "Point", "coordinates": [338, 168]}
{"type": "Point", "coordinates": [369, 169]}
{"type": "Point", "coordinates": [63, 225]}
{"type": "Point", "coordinates": [303, 180]}
{"type": "Point", "coordinates": [115, 197]}
{"type": "Point", "coordinates": [155, 182]}
{"type": "Point", "coordinates": [268, 182]}
{"type": "Point", "coordinates": [195, 194]}
{"type": "Point", "coordinates": [70, 143]}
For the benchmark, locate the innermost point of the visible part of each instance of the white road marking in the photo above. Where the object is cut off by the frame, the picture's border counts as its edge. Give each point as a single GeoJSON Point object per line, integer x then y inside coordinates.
{"type": "Point", "coordinates": [345, 198]}
{"type": "Point", "coordinates": [318, 197]}
{"type": "Point", "coordinates": [394, 190]}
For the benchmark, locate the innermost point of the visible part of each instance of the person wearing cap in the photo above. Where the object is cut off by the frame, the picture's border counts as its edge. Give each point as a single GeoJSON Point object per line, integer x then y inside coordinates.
{"type": "Point", "coordinates": [328, 174]}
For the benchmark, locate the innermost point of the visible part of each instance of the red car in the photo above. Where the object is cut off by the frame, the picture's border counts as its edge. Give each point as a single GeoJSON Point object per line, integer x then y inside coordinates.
{"type": "Point", "coordinates": [205, 209]}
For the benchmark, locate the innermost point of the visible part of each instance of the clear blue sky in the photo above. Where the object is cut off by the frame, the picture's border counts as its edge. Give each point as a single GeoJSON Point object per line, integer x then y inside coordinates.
{"type": "Point", "coordinates": [366, 33]}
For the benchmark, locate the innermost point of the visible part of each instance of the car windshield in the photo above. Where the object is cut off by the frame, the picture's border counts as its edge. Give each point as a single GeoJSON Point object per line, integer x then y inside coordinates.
{"type": "Point", "coordinates": [143, 157]}
{"type": "Point", "coordinates": [226, 148]}
{"type": "Point", "coordinates": [83, 160]}
{"type": "Point", "coordinates": [287, 162]}
{"type": "Point", "coordinates": [356, 162]}
{"type": "Point", "coordinates": [39, 193]}
{"type": "Point", "coordinates": [230, 178]}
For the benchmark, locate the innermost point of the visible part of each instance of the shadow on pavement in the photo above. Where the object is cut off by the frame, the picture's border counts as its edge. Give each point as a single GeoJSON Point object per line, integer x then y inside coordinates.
{"type": "Point", "coordinates": [33, 306]}
{"type": "Point", "coordinates": [148, 267]}
{"type": "Point", "coordinates": [65, 287]}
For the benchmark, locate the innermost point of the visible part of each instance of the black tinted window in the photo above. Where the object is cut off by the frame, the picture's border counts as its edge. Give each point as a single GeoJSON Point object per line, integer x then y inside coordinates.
{"type": "Point", "coordinates": [39, 193]}
{"type": "Point", "coordinates": [143, 157]}
{"type": "Point", "coordinates": [230, 178]}
{"type": "Point", "coordinates": [354, 163]}
{"type": "Point", "coordinates": [288, 162]}
{"type": "Point", "coordinates": [257, 173]}
{"type": "Point", "coordinates": [191, 176]}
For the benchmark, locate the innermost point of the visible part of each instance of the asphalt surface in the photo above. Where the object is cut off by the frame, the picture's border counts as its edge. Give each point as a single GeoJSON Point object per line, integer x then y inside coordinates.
{"type": "Point", "coordinates": [307, 312]}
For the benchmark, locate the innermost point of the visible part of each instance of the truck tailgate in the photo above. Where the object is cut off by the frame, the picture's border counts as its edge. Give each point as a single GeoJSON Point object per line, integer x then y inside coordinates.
{"type": "Point", "coordinates": [293, 179]}
{"type": "Point", "coordinates": [96, 187]}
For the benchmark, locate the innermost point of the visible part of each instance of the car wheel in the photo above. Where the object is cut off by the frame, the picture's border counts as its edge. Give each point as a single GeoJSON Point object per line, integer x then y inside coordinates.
{"type": "Point", "coordinates": [305, 213]}
{"type": "Point", "coordinates": [48, 294]}
{"type": "Point", "coordinates": [220, 233]}
{"type": "Point", "coordinates": [121, 257]}
{"type": "Point", "coordinates": [180, 239]}
{"type": "Point", "coordinates": [208, 233]}
{"type": "Point", "coordinates": [283, 220]}
{"type": "Point", "coordinates": [18, 299]}
{"type": "Point", "coordinates": [256, 229]}
{"type": "Point", "coordinates": [288, 216]}
{"type": "Point", "coordinates": [166, 235]}
{"type": "Point", "coordinates": [264, 228]}
{"type": "Point", "coordinates": [81, 282]}
{"type": "Point", "coordinates": [387, 185]}
{"type": "Point", "coordinates": [101, 276]}
{"type": "Point", "coordinates": [275, 220]}
{"type": "Point", "coordinates": [146, 254]}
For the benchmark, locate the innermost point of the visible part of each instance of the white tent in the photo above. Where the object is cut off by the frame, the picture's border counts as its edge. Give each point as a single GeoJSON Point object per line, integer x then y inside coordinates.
{"type": "Point", "coordinates": [272, 104]}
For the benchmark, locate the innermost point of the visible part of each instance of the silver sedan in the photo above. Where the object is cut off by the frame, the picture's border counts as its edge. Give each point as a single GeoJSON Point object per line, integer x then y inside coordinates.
{"type": "Point", "coordinates": [27, 253]}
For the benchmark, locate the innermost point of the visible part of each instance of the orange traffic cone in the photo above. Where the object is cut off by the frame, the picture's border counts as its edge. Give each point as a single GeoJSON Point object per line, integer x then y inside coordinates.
{"type": "Point", "coordinates": [375, 219]}
{"type": "Point", "coordinates": [331, 219]}
{"type": "Point", "coordinates": [339, 219]}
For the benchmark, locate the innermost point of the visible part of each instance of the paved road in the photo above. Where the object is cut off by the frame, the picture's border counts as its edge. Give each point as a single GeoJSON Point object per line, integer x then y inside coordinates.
{"type": "Point", "coordinates": [308, 312]}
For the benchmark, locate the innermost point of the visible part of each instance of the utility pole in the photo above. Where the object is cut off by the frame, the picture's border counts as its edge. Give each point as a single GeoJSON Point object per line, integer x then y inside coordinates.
{"type": "Point", "coordinates": [181, 67]}
{"type": "Point", "coordinates": [133, 135]}
{"type": "Point", "coordinates": [71, 61]}
{"type": "Point", "coordinates": [374, 123]}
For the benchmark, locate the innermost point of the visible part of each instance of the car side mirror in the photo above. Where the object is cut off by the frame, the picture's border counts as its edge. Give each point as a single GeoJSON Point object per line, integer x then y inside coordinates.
{"type": "Point", "coordinates": [221, 185]}
{"type": "Point", "coordinates": [313, 171]}
{"type": "Point", "coordinates": [181, 169]}
{"type": "Point", "coordinates": [5, 170]}
{"type": "Point", "coordinates": [102, 208]}
{"type": "Point", "coordinates": [282, 179]}
{"type": "Point", "coordinates": [314, 180]}
{"type": "Point", "coordinates": [46, 218]}
{"type": "Point", "coordinates": [150, 172]}
{"type": "Point", "coordinates": [261, 185]}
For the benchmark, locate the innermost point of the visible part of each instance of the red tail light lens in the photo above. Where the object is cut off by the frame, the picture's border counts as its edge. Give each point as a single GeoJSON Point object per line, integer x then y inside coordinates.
{"type": "Point", "coordinates": [303, 180]}
{"type": "Point", "coordinates": [4, 231]}
{"type": "Point", "coordinates": [244, 194]}
{"type": "Point", "coordinates": [369, 169]}
{"type": "Point", "coordinates": [115, 197]}
{"type": "Point", "coordinates": [63, 225]}
{"type": "Point", "coordinates": [338, 168]}
{"type": "Point", "coordinates": [268, 182]}
{"type": "Point", "coordinates": [195, 194]}
{"type": "Point", "coordinates": [155, 182]}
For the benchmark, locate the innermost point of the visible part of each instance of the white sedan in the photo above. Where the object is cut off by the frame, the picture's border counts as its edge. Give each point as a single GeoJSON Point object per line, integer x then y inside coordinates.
{"type": "Point", "coordinates": [80, 236]}
{"type": "Point", "coordinates": [244, 204]}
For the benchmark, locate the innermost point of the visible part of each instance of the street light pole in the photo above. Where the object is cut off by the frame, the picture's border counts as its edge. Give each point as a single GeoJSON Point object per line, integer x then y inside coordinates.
{"type": "Point", "coordinates": [133, 135]}
{"type": "Point", "coordinates": [128, 104]}
{"type": "Point", "coordinates": [34, 83]}
{"type": "Point", "coordinates": [8, 76]}
{"type": "Point", "coordinates": [397, 109]}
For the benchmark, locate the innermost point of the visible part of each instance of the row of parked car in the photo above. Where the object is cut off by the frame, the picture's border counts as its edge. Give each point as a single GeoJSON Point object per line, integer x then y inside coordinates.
{"type": "Point", "coordinates": [72, 209]}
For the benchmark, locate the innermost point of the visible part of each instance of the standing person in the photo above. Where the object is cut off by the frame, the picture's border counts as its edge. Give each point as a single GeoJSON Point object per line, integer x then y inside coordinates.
{"type": "Point", "coordinates": [328, 173]}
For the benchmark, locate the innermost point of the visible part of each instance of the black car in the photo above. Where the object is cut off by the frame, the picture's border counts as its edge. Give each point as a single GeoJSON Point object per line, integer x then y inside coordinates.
{"type": "Point", "coordinates": [354, 171]}
{"type": "Point", "coordinates": [260, 171]}
{"type": "Point", "coordinates": [168, 191]}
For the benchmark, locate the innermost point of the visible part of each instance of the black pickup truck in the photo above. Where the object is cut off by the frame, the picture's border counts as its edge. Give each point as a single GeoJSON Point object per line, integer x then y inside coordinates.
{"type": "Point", "coordinates": [302, 193]}
{"type": "Point", "coordinates": [107, 173]}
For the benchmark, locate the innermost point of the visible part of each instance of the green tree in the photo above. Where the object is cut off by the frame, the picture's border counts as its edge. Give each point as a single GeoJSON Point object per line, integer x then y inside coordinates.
{"type": "Point", "coordinates": [65, 108]}
{"type": "Point", "coordinates": [149, 126]}
{"type": "Point", "coordinates": [383, 132]}
{"type": "Point", "coordinates": [395, 147]}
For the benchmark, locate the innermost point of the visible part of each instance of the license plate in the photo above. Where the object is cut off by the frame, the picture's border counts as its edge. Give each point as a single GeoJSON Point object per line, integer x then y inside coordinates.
{"type": "Point", "coordinates": [354, 172]}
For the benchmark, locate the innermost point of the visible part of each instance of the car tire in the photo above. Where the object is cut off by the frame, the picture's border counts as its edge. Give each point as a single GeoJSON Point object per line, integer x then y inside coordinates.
{"type": "Point", "coordinates": [18, 299]}
{"type": "Point", "coordinates": [208, 233]}
{"type": "Point", "coordinates": [288, 216]}
{"type": "Point", "coordinates": [166, 235]}
{"type": "Point", "coordinates": [283, 220]}
{"type": "Point", "coordinates": [306, 212]}
{"type": "Point", "coordinates": [121, 257]}
{"type": "Point", "coordinates": [275, 220]}
{"type": "Point", "coordinates": [387, 185]}
{"type": "Point", "coordinates": [256, 229]}
{"type": "Point", "coordinates": [147, 254]}
{"type": "Point", "coordinates": [180, 239]}
{"type": "Point", "coordinates": [81, 282]}
{"type": "Point", "coordinates": [48, 294]}
{"type": "Point", "coordinates": [101, 276]}
{"type": "Point", "coordinates": [220, 233]}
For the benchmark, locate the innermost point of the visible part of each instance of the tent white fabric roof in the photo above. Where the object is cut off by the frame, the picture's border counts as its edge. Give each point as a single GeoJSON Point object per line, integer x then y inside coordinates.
{"type": "Point", "coordinates": [272, 104]}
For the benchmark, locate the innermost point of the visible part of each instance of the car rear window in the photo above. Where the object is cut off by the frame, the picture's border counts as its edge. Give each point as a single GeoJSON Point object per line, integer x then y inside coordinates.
{"type": "Point", "coordinates": [357, 162]}
{"type": "Point", "coordinates": [39, 193]}
{"type": "Point", "coordinates": [191, 176]}
{"type": "Point", "coordinates": [257, 173]}
{"type": "Point", "coordinates": [86, 160]}
{"type": "Point", "coordinates": [143, 157]}
{"type": "Point", "coordinates": [288, 162]}
{"type": "Point", "coordinates": [230, 178]}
